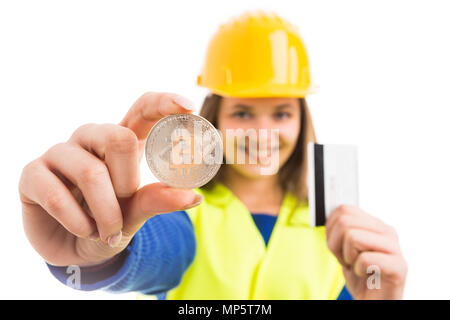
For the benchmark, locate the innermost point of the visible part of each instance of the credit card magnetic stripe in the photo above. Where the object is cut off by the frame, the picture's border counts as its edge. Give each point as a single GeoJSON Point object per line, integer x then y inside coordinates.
{"type": "Point", "coordinates": [319, 185]}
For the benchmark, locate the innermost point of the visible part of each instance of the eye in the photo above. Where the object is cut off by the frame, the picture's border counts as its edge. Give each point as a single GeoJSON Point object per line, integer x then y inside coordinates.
{"type": "Point", "coordinates": [241, 115]}
{"type": "Point", "coordinates": [282, 115]}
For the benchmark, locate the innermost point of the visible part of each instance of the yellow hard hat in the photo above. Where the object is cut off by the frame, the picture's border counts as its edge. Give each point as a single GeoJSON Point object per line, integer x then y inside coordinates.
{"type": "Point", "coordinates": [257, 54]}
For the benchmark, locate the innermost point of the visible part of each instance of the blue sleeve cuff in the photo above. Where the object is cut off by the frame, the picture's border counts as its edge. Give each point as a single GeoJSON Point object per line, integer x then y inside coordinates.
{"type": "Point", "coordinates": [345, 294]}
{"type": "Point", "coordinates": [153, 263]}
{"type": "Point", "coordinates": [97, 277]}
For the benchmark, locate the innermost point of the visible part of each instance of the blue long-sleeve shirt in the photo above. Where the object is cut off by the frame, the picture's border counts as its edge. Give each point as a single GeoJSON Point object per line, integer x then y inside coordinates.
{"type": "Point", "coordinates": [155, 260]}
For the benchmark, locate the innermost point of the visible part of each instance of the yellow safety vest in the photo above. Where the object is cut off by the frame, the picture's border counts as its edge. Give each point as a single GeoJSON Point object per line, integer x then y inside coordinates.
{"type": "Point", "coordinates": [233, 262]}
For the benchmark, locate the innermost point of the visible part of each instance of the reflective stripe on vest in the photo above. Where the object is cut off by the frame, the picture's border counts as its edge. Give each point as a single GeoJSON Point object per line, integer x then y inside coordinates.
{"type": "Point", "coordinates": [233, 262]}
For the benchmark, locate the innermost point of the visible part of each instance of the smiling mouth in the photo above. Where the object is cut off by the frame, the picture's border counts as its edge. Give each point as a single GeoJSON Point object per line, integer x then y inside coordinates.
{"type": "Point", "coordinates": [268, 152]}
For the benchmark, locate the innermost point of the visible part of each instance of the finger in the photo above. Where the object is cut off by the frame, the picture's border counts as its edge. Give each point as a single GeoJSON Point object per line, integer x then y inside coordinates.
{"type": "Point", "coordinates": [118, 147]}
{"type": "Point", "coordinates": [154, 199]}
{"type": "Point", "coordinates": [390, 267]}
{"type": "Point", "coordinates": [357, 240]}
{"type": "Point", "coordinates": [91, 176]}
{"type": "Point", "coordinates": [336, 234]}
{"type": "Point", "coordinates": [41, 186]}
{"type": "Point", "coordinates": [151, 107]}
{"type": "Point", "coordinates": [346, 217]}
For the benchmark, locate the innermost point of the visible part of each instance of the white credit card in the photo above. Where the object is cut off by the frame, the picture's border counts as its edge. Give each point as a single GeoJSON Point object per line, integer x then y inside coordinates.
{"type": "Point", "coordinates": [332, 179]}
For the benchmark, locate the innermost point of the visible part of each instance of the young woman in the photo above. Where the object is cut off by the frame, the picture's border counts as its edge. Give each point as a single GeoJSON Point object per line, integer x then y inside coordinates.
{"type": "Point", "coordinates": [244, 235]}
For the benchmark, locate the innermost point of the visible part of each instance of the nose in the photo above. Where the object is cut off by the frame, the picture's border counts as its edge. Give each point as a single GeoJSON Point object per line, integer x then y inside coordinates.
{"type": "Point", "coordinates": [266, 123]}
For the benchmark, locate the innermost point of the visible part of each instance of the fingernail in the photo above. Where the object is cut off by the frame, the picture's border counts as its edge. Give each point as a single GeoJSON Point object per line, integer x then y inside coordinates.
{"type": "Point", "coordinates": [114, 240]}
{"type": "Point", "coordinates": [184, 102]}
{"type": "Point", "coordinates": [197, 200]}
{"type": "Point", "coordinates": [95, 236]}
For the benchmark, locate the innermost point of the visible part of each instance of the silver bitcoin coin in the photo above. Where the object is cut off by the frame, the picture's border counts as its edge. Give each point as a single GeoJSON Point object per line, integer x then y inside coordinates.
{"type": "Point", "coordinates": [184, 151]}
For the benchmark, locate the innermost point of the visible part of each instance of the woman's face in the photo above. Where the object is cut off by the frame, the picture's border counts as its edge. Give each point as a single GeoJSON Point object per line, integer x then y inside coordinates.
{"type": "Point", "coordinates": [263, 152]}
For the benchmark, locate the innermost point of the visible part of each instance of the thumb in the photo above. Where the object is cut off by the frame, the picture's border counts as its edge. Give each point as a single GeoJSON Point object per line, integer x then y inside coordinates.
{"type": "Point", "coordinates": [154, 199]}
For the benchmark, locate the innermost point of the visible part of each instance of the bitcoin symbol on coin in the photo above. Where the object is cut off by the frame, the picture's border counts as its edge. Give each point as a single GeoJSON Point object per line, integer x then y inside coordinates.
{"type": "Point", "coordinates": [184, 151]}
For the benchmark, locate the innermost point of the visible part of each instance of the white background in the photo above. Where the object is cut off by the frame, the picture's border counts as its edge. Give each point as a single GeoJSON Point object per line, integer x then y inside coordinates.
{"type": "Point", "coordinates": [382, 66]}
